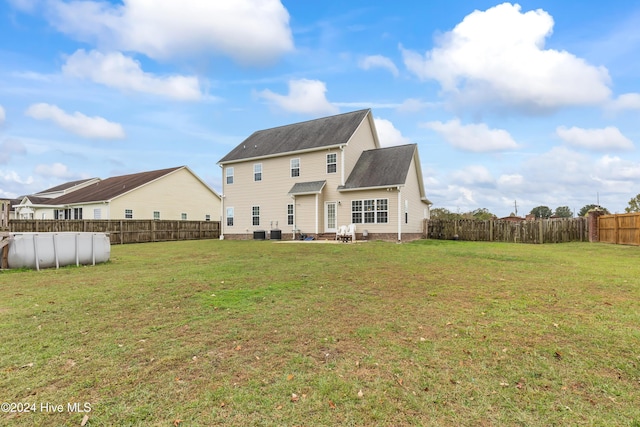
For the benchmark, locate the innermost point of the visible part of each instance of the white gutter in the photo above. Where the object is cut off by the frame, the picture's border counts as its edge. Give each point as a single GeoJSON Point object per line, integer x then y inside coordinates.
{"type": "Point", "coordinates": [342, 165]}
{"type": "Point", "coordinates": [317, 227]}
{"type": "Point", "coordinates": [399, 215]}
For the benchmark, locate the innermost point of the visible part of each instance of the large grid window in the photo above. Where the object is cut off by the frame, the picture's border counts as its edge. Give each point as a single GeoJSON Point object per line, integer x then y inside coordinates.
{"type": "Point", "coordinates": [257, 172]}
{"type": "Point", "coordinates": [332, 163]}
{"type": "Point", "coordinates": [289, 214]}
{"type": "Point", "coordinates": [229, 172]}
{"type": "Point", "coordinates": [370, 211]}
{"type": "Point", "coordinates": [229, 217]}
{"type": "Point", "coordinates": [255, 215]}
{"type": "Point", "coordinates": [295, 167]}
{"type": "Point", "coordinates": [128, 213]}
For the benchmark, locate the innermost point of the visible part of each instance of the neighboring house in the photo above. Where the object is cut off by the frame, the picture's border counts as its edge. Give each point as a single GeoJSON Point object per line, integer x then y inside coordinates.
{"type": "Point", "coordinates": [25, 207]}
{"type": "Point", "coordinates": [312, 177]}
{"type": "Point", "coordinates": [173, 194]}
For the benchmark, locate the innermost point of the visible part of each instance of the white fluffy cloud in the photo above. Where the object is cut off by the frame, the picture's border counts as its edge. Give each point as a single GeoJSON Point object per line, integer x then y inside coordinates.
{"type": "Point", "coordinates": [498, 57]}
{"type": "Point", "coordinates": [122, 72]}
{"type": "Point", "coordinates": [249, 31]}
{"type": "Point", "coordinates": [609, 138]}
{"type": "Point", "coordinates": [77, 123]}
{"type": "Point", "coordinates": [55, 170]}
{"type": "Point", "coordinates": [388, 134]}
{"type": "Point", "coordinates": [473, 137]}
{"type": "Point", "coordinates": [627, 101]}
{"type": "Point", "coordinates": [305, 96]}
{"type": "Point", "coordinates": [378, 61]}
{"type": "Point", "coordinates": [473, 175]}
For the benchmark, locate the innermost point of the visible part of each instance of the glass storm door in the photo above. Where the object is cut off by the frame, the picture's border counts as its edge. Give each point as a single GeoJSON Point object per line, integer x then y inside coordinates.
{"type": "Point", "coordinates": [330, 225]}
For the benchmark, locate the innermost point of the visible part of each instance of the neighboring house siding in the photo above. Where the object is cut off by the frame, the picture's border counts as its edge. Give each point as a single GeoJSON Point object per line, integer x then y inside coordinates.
{"type": "Point", "coordinates": [171, 195]}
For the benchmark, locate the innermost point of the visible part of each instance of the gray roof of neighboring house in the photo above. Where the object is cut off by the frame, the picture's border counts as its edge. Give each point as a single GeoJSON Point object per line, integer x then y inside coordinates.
{"type": "Point", "coordinates": [310, 187]}
{"type": "Point", "coordinates": [110, 188]}
{"type": "Point", "coordinates": [381, 167]}
{"type": "Point", "coordinates": [312, 134]}
{"type": "Point", "coordinates": [65, 186]}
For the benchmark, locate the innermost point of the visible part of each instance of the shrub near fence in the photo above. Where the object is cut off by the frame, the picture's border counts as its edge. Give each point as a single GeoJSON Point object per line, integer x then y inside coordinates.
{"type": "Point", "coordinates": [538, 231]}
{"type": "Point", "coordinates": [125, 231]}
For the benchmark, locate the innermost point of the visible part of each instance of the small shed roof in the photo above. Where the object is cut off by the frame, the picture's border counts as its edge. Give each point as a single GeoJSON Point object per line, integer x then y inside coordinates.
{"type": "Point", "coordinates": [310, 187]}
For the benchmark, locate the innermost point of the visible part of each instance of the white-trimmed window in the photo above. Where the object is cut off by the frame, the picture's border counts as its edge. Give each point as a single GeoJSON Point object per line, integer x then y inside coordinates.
{"type": "Point", "coordinates": [207, 217]}
{"type": "Point", "coordinates": [229, 175]}
{"type": "Point", "coordinates": [332, 163]}
{"type": "Point", "coordinates": [183, 216]}
{"type": "Point", "coordinates": [257, 172]}
{"type": "Point", "coordinates": [295, 167]}
{"type": "Point", "coordinates": [128, 213]}
{"type": "Point", "coordinates": [229, 217]}
{"type": "Point", "coordinates": [77, 213]}
{"type": "Point", "coordinates": [97, 213]}
{"type": "Point", "coordinates": [156, 215]}
{"type": "Point", "coordinates": [290, 214]}
{"type": "Point", "coordinates": [370, 211]}
{"type": "Point", "coordinates": [255, 215]}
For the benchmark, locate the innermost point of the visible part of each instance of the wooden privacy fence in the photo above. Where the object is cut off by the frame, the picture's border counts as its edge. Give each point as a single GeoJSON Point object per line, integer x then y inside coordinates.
{"type": "Point", "coordinates": [538, 231]}
{"type": "Point", "coordinates": [623, 229]}
{"type": "Point", "coordinates": [126, 230]}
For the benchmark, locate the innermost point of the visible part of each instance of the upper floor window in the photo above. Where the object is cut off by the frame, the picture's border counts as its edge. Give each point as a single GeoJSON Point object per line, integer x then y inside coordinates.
{"type": "Point", "coordinates": [295, 167]}
{"type": "Point", "coordinates": [332, 163]}
{"type": "Point", "coordinates": [128, 213]}
{"type": "Point", "coordinates": [257, 172]}
{"type": "Point", "coordinates": [229, 175]}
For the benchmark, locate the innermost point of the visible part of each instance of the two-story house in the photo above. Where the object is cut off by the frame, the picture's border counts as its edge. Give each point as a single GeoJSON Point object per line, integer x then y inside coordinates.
{"type": "Point", "coordinates": [312, 177]}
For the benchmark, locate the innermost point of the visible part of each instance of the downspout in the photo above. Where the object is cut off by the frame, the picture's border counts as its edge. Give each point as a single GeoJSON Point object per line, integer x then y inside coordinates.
{"type": "Point", "coordinates": [295, 217]}
{"type": "Point", "coordinates": [223, 215]}
{"type": "Point", "coordinates": [399, 214]}
{"type": "Point", "coordinates": [342, 165]}
{"type": "Point", "coordinates": [317, 227]}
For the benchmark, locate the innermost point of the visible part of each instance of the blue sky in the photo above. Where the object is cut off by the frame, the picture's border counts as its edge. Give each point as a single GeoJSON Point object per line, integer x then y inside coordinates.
{"type": "Point", "coordinates": [536, 102]}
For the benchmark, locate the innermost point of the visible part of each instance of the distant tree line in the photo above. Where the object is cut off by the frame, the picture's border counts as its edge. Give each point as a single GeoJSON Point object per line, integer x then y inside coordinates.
{"type": "Point", "coordinates": [538, 212]}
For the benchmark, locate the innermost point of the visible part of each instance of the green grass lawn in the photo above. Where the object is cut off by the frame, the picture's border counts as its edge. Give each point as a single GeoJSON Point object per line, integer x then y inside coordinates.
{"type": "Point", "coordinates": [436, 333]}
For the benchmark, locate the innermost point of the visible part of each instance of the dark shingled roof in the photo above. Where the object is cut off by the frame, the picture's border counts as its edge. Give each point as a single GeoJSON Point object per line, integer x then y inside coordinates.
{"type": "Point", "coordinates": [318, 133]}
{"type": "Point", "coordinates": [307, 187]}
{"type": "Point", "coordinates": [65, 186]}
{"type": "Point", "coordinates": [36, 200]}
{"type": "Point", "coordinates": [110, 188]}
{"type": "Point", "coordinates": [381, 167]}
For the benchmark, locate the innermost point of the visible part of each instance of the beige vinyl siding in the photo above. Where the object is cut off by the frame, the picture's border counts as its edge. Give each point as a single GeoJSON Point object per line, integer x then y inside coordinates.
{"type": "Point", "coordinates": [272, 193]}
{"type": "Point", "coordinates": [411, 192]}
{"type": "Point", "coordinates": [172, 195]}
{"type": "Point", "coordinates": [361, 140]}
{"type": "Point", "coordinates": [344, 210]}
